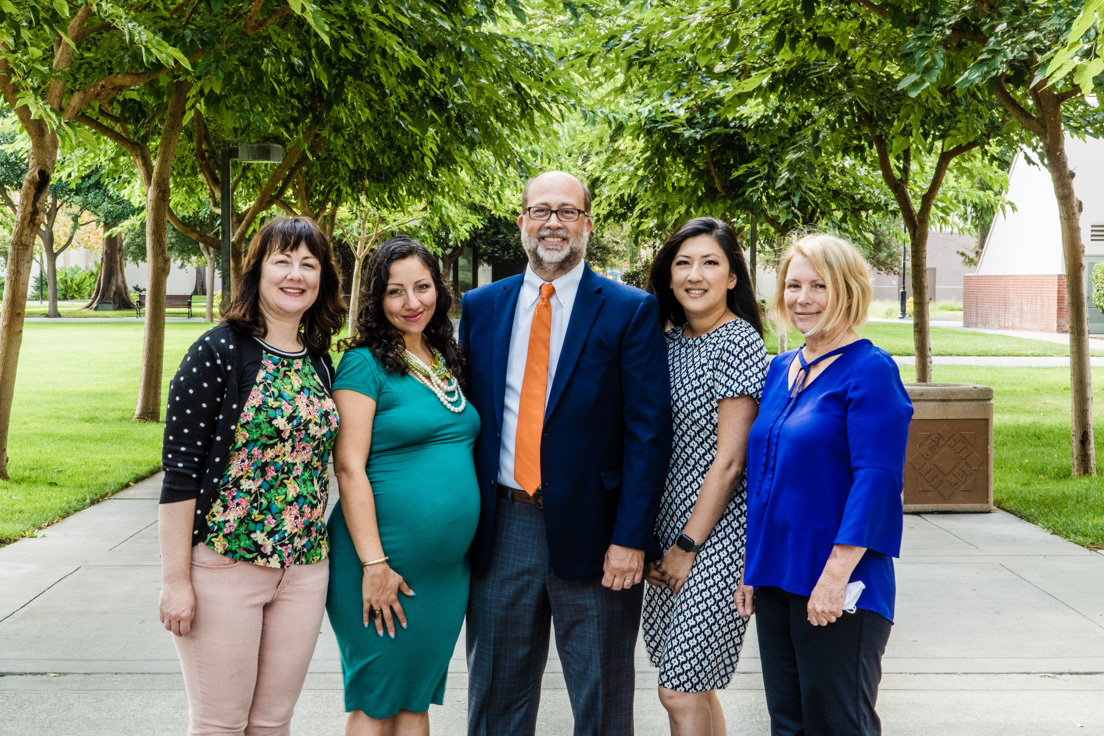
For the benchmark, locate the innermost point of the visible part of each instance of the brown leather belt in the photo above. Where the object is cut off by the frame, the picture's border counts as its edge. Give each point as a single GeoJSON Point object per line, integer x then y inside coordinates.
{"type": "Point", "coordinates": [520, 496]}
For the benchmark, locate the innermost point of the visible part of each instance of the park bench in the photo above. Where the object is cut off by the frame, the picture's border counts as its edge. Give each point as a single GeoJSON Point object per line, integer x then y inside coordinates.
{"type": "Point", "coordinates": [172, 301]}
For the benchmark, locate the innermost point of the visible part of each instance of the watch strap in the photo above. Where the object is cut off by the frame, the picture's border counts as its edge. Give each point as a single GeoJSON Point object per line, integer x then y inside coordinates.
{"type": "Point", "coordinates": [686, 543]}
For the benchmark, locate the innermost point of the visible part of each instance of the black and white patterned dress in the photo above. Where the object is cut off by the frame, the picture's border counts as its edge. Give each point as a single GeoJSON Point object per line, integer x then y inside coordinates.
{"type": "Point", "coordinates": [694, 638]}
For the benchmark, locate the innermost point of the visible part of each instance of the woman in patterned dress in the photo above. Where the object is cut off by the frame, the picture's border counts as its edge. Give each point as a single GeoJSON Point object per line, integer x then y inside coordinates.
{"type": "Point", "coordinates": [248, 434]}
{"type": "Point", "coordinates": [717, 361]}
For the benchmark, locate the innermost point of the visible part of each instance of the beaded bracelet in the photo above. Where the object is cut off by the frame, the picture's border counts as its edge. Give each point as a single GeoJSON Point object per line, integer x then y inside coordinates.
{"type": "Point", "coordinates": [374, 562]}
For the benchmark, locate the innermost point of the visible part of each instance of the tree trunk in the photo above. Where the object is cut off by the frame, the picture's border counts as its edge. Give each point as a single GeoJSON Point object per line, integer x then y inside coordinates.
{"type": "Point", "coordinates": [210, 256]}
{"type": "Point", "coordinates": [237, 260]}
{"type": "Point", "coordinates": [41, 161]}
{"type": "Point", "coordinates": [46, 234]}
{"type": "Point", "coordinates": [1073, 250]}
{"type": "Point", "coordinates": [921, 332]}
{"type": "Point", "coordinates": [157, 256]}
{"type": "Point", "coordinates": [354, 293]}
{"type": "Point", "coordinates": [111, 285]}
{"type": "Point", "coordinates": [51, 280]}
{"type": "Point", "coordinates": [753, 248]}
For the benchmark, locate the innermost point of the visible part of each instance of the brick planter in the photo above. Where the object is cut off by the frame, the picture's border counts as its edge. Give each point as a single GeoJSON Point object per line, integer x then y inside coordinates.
{"type": "Point", "coordinates": [949, 460]}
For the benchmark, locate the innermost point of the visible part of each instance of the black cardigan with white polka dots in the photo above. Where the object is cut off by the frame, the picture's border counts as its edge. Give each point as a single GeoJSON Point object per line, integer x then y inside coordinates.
{"type": "Point", "coordinates": [202, 415]}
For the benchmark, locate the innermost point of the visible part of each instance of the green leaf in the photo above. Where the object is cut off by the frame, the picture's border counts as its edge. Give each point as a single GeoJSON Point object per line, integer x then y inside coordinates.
{"type": "Point", "coordinates": [1086, 72]}
{"type": "Point", "coordinates": [751, 83]}
{"type": "Point", "coordinates": [907, 82]}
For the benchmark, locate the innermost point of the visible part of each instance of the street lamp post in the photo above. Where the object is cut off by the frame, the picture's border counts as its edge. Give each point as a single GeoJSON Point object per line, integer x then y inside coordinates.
{"type": "Point", "coordinates": [268, 153]}
{"type": "Point", "coordinates": [904, 296]}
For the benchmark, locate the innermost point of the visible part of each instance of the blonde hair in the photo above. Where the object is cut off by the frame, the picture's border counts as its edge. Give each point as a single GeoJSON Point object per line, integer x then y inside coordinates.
{"type": "Point", "coordinates": [845, 274]}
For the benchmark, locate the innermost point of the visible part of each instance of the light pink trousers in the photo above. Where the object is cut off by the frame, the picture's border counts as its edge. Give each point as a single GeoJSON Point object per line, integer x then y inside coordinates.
{"type": "Point", "coordinates": [246, 656]}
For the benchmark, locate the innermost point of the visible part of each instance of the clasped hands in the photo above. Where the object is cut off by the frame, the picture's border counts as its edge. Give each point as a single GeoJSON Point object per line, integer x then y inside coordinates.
{"type": "Point", "coordinates": [381, 587]}
{"type": "Point", "coordinates": [672, 570]}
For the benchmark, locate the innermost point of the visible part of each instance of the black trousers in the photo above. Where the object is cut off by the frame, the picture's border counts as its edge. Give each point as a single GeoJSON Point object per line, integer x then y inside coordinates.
{"type": "Point", "coordinates": [819, 680]}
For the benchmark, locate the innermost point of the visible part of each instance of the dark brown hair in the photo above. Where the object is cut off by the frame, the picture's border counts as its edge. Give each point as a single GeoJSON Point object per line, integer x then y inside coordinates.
{"type": "Point", "coordinates": [323, 318]}
{"type": "Point", "coordinates": [374, 331]}
{"type": "Point", "coordinates": [740, 299]}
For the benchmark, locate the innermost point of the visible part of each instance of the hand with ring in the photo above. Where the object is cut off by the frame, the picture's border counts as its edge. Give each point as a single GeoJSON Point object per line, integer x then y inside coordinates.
{"type": "Point", "coordinates": [623, 567]}
{"type": "Point", "coordinates": [380, 589]}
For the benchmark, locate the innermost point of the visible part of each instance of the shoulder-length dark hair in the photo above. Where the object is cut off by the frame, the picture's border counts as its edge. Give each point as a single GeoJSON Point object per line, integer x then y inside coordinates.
{"type": "Point", "coordinates": [323, 318]}
{"type": "Point", "coordinates": [741, 298]}
{"type": "Point", "coordinates": [374, 331]}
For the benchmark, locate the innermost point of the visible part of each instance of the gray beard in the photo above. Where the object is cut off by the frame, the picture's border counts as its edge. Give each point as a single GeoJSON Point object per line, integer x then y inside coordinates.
{"type": "Point", "coordinates": [561, 260]}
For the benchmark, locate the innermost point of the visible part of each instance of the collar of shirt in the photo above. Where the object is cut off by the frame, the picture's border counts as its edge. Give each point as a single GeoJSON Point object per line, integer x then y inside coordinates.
{"type": "Point", "coordinates": [567, 286]}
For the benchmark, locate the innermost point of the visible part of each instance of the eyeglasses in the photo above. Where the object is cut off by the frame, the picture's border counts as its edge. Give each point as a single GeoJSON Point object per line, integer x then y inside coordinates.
{"type": "Point", "coordinates": [565, 214]}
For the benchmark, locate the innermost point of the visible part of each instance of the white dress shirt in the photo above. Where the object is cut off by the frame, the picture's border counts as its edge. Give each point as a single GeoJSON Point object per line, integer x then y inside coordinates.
{"type": "Point", "coordinates": [567, 286]}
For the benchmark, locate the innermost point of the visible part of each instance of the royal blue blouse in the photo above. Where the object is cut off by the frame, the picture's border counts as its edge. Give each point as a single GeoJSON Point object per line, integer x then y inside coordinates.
{"type": "Point", "coordinates": [824, 468]}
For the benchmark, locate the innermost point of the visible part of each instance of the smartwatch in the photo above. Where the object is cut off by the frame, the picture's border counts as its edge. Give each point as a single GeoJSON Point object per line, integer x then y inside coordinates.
{"type": "Point", "coordinates": [687, 544]}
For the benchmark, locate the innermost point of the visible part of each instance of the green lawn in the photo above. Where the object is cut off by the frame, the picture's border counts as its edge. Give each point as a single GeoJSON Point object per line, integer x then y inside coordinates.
{"type": "Point", "coordinates": [72, 438]}
{"type": "Point", "coordinates": [74, 309]}
{"type": "Point", "coordinates": [896, 339]}
{"type": "Point", "coordinates": [1031, 453]}
{"type": "Point", "coordinates": [73, 441]}
{"type": "Point", "coordinates": [890, 309]}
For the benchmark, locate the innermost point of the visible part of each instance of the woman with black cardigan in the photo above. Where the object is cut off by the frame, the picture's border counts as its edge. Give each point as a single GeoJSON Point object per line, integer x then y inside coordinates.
{"type": "Point", "coordinates": [248, 434]}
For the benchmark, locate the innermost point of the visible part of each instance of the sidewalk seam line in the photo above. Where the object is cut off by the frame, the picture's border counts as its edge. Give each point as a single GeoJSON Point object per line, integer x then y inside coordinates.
{"type": "Point", "coordinates": [927, 518]}
{"type": "Point", "coordinates": [132, 536]}
{"type": "Point", "coordinates": [1053, 597]}
{"type": "Point", "coordinates": [41, 593]}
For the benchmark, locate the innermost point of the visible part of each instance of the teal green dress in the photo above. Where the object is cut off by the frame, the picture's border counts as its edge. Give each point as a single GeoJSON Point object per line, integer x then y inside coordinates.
{"type": "Point", "coordinates": [422, 473]}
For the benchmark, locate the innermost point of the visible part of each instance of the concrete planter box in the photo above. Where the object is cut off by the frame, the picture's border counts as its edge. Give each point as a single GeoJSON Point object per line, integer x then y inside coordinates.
{"type": "Point", "coordinates": [949, 460]}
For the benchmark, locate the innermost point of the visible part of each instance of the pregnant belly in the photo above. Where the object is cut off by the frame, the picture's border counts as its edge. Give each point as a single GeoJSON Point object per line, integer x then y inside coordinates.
{"type": "Point", "coordinates": [427, 521]}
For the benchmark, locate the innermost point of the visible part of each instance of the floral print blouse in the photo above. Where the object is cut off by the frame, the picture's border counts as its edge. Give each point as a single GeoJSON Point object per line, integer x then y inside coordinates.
{"type": "Point", "coordinates": [271, 505]}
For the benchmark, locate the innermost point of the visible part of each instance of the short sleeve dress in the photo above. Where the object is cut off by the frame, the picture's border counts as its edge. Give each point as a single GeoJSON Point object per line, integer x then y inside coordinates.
{"type": "Point", "coordinates": [422, 473]}
{"type": "Point", "coordinates": [694, 638]}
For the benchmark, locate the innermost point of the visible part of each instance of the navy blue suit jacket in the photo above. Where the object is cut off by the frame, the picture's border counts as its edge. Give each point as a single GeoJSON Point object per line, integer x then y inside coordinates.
{"type": "Point", "coordinates": [607, 425]}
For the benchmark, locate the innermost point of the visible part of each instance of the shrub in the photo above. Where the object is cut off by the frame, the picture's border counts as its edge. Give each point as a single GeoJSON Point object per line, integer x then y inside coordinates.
{"type": "Point", "coordinates": [76, 283]}
{"type": "Point", "coordinates": [1098, 285]}
{"type": "Point", "coordinates": [637, 275]}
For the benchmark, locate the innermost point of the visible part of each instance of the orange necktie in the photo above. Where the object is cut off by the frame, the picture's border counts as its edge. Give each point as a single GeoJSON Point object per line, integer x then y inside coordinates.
{"type": "Point", "coordinates": [534, 388]}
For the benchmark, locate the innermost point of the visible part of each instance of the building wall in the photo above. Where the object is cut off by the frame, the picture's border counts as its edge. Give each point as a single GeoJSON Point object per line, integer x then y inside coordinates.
{"type": "Point", "coordinates": [1016, 302]}
{"type": "Point", "coordinates": [943, 256]}
{"type": "Point", "coordinates": [181, 278]}
{"type": "Point", "coordinates": [1029, 239]}
{"type": "Point", "coordinates": [1027, 244]}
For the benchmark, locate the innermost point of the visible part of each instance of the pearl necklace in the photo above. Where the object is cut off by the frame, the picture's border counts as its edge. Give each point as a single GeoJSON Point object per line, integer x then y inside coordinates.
{"type": "Point", "coordinates": [437, 379]}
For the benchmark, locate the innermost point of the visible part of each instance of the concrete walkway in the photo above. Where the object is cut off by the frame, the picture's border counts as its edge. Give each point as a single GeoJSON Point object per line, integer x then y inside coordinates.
{"type": "Point", "coordinates": [999, 361]}
{"type": "Point", "coordinates": [1000, 631]}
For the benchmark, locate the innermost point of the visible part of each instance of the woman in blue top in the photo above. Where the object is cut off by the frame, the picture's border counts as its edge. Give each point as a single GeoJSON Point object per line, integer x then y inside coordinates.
{"type": "Point", "coordinates": [825, 458]}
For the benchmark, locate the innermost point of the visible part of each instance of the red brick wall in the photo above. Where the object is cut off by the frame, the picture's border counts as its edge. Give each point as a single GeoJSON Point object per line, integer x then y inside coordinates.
{"type": "Point", "coordinates": [1015, 302]}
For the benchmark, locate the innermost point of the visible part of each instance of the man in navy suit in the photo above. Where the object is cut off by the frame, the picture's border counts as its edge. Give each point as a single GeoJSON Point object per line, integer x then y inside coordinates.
{"type": "Point", "coordinates": [569, 375]}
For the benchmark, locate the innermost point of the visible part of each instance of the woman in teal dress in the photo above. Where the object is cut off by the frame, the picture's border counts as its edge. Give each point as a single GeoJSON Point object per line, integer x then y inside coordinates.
{"type": "Point", "coordinates": [409, 501]}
